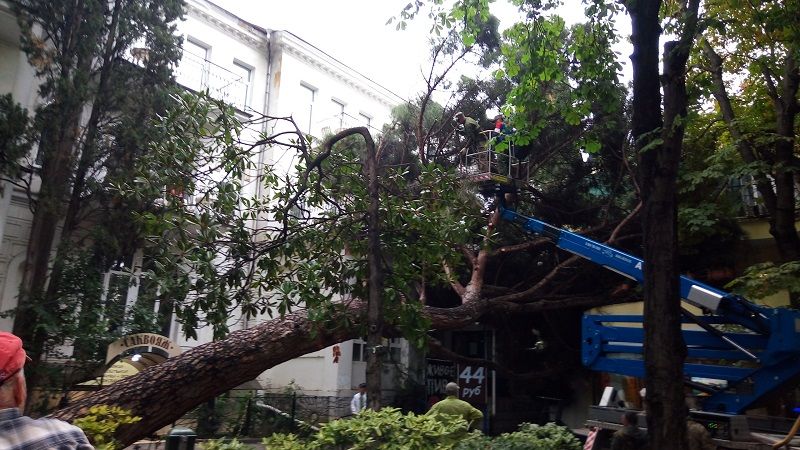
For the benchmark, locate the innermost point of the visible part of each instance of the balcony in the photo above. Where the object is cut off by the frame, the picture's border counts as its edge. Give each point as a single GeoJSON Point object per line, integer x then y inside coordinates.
{"type": "Point", "coordinates": [743, 192]}
{"type": "Point", "coordinates": [198, 74]}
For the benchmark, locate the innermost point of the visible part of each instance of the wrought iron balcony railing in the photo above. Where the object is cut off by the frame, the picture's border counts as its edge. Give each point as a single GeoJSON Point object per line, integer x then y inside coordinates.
{"type": "Point", "coordinates": [197, 73]}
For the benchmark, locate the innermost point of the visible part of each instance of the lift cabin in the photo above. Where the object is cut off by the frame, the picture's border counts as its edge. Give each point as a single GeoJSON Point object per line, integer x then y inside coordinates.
{"type": "Point", "coordinates": [739, 352]}
{"type": "Point", "coordinates": [497, 167]}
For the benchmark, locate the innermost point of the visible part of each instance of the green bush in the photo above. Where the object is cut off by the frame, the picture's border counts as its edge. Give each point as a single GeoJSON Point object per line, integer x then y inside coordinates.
{"type": "Point", "coordinates": [284, 441]}
{"type": "Point", "coordinates": [222, 444]}
{"type": "Point", "coordinates": [389, 429]}
{"type": "Point", "coordinates": [102, 422]}
{"type": "Point", "coordinates": [529, 437]}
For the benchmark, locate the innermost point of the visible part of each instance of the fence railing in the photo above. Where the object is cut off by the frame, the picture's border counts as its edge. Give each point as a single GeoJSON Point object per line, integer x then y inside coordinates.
{"type": "Point", "coordinates": [498, 156]}
{"type": "Point", "coordinates": [261, 415]}
{"type": "Point", "coordinates": [198, 74]}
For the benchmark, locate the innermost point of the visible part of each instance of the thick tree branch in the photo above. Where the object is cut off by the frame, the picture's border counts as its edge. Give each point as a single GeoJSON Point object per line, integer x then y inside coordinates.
{"type": "Point", "coordinates": [527, 293]}
{"type": "Point", "coordinates": [528, 245]}
{"type": "Point", "coordinates": [743, 145]}
{"type": "Point", "coordinates": [458, 287]}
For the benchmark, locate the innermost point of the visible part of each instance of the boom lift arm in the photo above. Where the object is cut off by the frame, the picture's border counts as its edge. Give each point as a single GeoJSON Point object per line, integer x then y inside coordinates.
{"type": "Point", "coordinates": [759, 352]}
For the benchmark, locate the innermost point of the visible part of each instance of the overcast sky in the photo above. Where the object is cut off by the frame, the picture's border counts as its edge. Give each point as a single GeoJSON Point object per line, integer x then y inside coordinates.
{"type": "Point", "coordinates": [355, 33]}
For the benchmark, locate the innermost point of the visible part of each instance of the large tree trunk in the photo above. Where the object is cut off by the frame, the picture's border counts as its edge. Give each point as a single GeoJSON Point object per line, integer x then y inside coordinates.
{"type": "Point", "coordinates": [60, 138]}
{"type": "Point", "coordinates": [375, 323]}
{"type": "Point", "coordinates": [161, 394]}
{"type": "Point", "coordinates": [375, 309]}
{"type": "Point", "coordinates": [663, 344]}
{"type": "Point", "coordinates": [30, 322]}
{"type": "Point", "coordinates": [665, 368]}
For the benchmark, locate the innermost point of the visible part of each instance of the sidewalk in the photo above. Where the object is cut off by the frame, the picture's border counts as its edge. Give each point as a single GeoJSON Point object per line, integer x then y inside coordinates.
{"type": "Point", "coordinates": [160, 444]}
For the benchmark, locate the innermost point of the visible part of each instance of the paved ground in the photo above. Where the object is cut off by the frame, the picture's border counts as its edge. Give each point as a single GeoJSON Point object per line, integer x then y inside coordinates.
{"type": "Point", "coordinates": [159, 445]}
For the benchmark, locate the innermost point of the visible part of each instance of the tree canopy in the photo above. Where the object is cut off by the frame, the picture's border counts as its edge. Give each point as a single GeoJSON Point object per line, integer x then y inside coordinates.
{"type": "Point", "coordinates": [295, 252]}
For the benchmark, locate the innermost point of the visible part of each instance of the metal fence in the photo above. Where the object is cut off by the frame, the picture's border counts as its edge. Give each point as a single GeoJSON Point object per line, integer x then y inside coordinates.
{"type": "Point", "coordinates": [264, 414]}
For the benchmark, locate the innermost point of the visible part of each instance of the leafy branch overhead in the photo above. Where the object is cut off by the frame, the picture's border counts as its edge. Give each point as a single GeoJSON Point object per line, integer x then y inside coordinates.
{"type": "Point", "coordinates": [300, 245]}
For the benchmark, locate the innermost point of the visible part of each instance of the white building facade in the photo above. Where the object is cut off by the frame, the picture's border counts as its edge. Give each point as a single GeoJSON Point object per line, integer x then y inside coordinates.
{"type": "Point", "coordinates": [260, 72]}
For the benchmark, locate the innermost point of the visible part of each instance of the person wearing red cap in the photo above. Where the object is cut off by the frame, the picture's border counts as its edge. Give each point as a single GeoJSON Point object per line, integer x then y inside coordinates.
{"type": "Point", "coordinates": [18, 432]}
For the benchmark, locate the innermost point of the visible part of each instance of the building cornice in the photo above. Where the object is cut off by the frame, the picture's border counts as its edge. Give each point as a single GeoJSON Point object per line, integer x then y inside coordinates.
{"type": "Point", "coordinates": [233, 26]}
{"type": "Point", "coordinates": [315, 57]}
{"type": "Point", "coordinates": [259, 38]}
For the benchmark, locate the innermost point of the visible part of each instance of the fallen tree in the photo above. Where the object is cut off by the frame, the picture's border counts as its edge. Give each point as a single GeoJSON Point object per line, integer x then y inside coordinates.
{"type": "Point", "coordinates": [437, 235]}
{"type": "Point", "coordinates": [163, 393]}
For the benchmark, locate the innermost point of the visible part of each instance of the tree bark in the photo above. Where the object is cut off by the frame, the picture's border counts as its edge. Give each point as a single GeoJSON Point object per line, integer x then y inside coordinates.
{"type": "Point", "coordinates": [375, 323]}
{"type": "Point", "coordinates": [29, 324]}
{"type": "Point", "coordinates": [374, 258]}
{"type": "Point", "coordinates": [664, 350]}
{"type": "Point", "coordinates": [163, 393]}
{"type": "Point", "coordinates": [59, 143]}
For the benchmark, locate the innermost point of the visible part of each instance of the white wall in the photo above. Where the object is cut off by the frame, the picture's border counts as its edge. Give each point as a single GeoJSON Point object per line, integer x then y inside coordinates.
{"type": "Point", "coordinates": [283, 72]}
{"type": "Point", "coordinates": [276, 89]}
{"type": "Point", "coordinates": [229, 44]}
{"type": "Point", "coordinates": [299, 67]}
{"type": "Point", "coordinates": [16, 78]}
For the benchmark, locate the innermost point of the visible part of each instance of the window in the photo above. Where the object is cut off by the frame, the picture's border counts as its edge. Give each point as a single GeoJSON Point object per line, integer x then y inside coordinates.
{"type": "Point", "coordinates": [365, 119]}
{"type": "Point", "coordinates": [120, 290]}
{"type": "Point", "coordinates": [338, 108]}
{"type": "Point", "coordinates": [307, 96]}
{"type": "Point", "coordinates": [193, 69]}
{"type": "Point", "coordinates": [39, 159]}
{"type": "Point", "coordinates": [240, 92]}
{"type": "Point", "coordinates": [751, 203]}
{"type": "Point", "coordinates": [393, 355]}
{"type": "Point", "coordinates": [359, 350]}
{"type": "Point", "coordinates": [195, 48]}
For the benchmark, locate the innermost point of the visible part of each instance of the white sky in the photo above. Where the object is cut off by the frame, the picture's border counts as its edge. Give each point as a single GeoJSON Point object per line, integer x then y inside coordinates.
{"type": "Point", "coordinates": [355, 33]}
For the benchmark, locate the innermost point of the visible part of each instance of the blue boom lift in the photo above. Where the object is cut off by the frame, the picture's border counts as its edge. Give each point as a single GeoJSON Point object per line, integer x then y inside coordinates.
{"type": "Point", "coordinates": [759, 357]}
{"type": "Point", "coordinates": [738, 352]}
{"type": "Point", "coordinates": [748, 350]}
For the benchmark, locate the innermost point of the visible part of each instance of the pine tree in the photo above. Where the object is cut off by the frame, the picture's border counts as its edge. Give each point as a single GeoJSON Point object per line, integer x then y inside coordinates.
{"type": "Point", "coordinates": [104, 68]}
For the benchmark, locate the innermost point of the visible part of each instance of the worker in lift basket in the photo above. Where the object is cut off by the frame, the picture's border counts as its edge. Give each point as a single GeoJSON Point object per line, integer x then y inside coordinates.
{"type": "Point", "coordinates": [473, 141]}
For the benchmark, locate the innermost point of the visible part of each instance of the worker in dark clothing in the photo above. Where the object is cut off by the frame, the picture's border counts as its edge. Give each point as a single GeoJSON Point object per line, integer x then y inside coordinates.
{"type": "Point", "coordinates": [468, 128]}
{"type": "Point", "coordinates": [473, 143]}
{"type": "Point", "coordinates": [630, 437]}
{"type": "Point", "coordinates": [697, 436]}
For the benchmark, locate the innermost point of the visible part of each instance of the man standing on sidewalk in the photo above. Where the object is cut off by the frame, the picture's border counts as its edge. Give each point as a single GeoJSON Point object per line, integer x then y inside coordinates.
{"type": "Point", "coordinates": [453, 406]}
{"type": "Point", "coordinates": [18, 432]}
{"type": "Point", "coordinates": [359, 401]}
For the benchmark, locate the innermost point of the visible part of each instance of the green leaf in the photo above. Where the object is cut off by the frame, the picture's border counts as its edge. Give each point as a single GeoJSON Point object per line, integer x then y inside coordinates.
{"type": "Point", "coordinates": [592, 146]}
